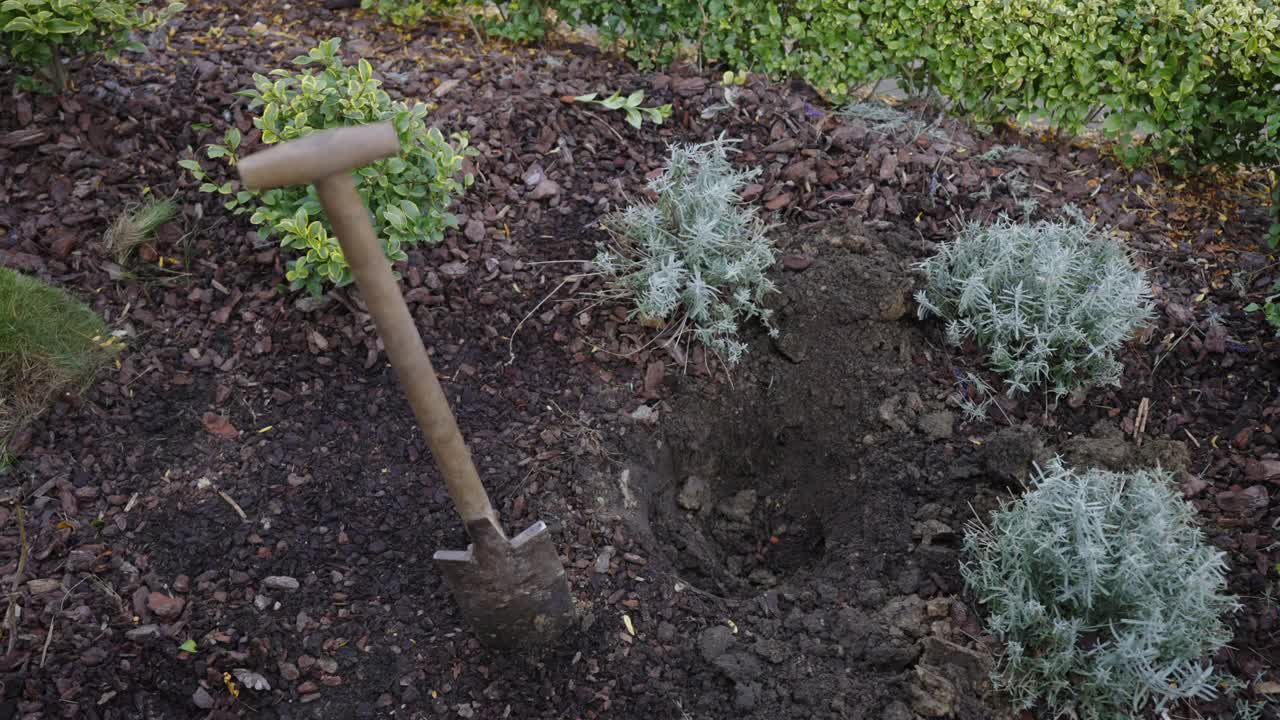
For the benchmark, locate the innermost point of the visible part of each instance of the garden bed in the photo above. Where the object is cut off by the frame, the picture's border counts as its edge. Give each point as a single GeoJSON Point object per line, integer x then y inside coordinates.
{"type": "Point", "coordinates": [236, 397]}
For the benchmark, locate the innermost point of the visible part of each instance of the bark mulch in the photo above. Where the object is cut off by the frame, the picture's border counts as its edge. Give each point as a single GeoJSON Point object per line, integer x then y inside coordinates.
{"type": "Point", "coordinates": [250, 479]}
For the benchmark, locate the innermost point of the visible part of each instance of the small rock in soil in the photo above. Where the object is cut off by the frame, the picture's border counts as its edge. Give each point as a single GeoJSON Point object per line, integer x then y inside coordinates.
{"type": "Point", "coordinates": [666, 632]}
{"type": "Point", "coordinates": [931, 530]}
{"type": "Point", "coordinates": [936, 425]}
{"type": "Point", "coordinates": [938, 607]}
{"type": "Point", "coordinates": [932, 695]}
{"type": "Point", "coordinates": [93, 656]}
{"type": "Point", "coordinates": [1010, 453]}
{"type": "Point", "coordinates": [1242, 501]}
{"type": "Point", "coordinates": [280, 582]}
{"type": "Point", "coordinates": [602, 560]}
{"type": "Point", "coordinates": [142, 632]}
{"type": "Point", "coordinates": [694, 493]}
{"type": "Point", "coordinates": [1262, 470]}
{"type": "Point", "coordinates": [644, 415]}
{"type": "Point", "coordinates": [165, 606]}
{"type": "Point", "coordinates": [79, 560]}
{"type": "Point", "coordinates": [796, 263]}
{"type": "Point", "coordinates": [763, 577]}
{"type": "Point", "coordinates": [545, 189]}
{"type": "Point", "coordinates": [967, 668]}
{"type": "Point", "coordinates": [40, 586]}
{"type": "Point", "coordinates": [202, 698]}
{"type": "Point", "coordinates": [745, 696]}
{"type": "Point", "coordinates": [889, 414]}
{"type": "Point", "coordinates": [739, 507]}
{"type": "Point", "coordinates": [715, 641]}
{"type": "Point", "coordinates": [1193, 485]}
{"type": "Point", "coordinates": [310, 304]}
{"type": "Point", "coordinates": [906, 614]}
{"type": "Point", "coordinates": [892, 657]}
{"type": "Point", "coordinates": [453, 269]}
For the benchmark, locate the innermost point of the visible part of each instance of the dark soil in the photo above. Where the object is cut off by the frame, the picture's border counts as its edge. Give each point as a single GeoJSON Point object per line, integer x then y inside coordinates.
{"type": "Point", "coordinates": [817, 576]}
{"type": "Point", "coordinates": [827, 527]}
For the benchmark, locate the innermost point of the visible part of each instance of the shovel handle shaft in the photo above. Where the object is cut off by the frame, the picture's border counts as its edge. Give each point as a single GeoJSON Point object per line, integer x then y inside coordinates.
{"type": "Point", "coordinates": [372, 272]}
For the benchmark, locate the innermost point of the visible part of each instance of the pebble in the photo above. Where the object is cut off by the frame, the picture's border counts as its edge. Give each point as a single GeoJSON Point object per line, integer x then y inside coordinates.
{"type": "Point", "coordinates": [202, 698]}
{"type": "Point", "coordinates": [602, 560]}
{"type": "Point", "coordinates": [936, 425]}
{"type": "Point", "coordinates": [164, 606]}
{"type": "Point", "coordinates": [280, 582]}
{"type": "Point", "coordinates": [693, 494]}
{"type": "Point", "coordinates": [543, 190]}
{"type": "Point", "coordinates": [143, 632]}
{"type": "Point", "coordinates": [739, 507]}
{"type": "Point", "coordinates": [43, 585]}
{"type": "Point", "coordinates": [93, 656]}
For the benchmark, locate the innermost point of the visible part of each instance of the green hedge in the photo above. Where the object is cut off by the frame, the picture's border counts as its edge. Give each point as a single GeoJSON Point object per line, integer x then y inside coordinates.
{"type": "Point", "coordinates": [1193, 79]}
{"type": "Point", "coordinates": [40, 35]}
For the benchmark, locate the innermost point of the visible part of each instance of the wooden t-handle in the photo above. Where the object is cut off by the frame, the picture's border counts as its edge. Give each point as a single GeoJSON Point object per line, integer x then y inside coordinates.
{"type": "Point", "coordinates": [326, 159]}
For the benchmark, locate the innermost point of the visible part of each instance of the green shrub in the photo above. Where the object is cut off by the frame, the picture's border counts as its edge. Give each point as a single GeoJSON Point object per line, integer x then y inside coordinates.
{"type": "Point", "coordinates": [50, 344]}
{"type": "Point", "coordinates": [1104, 592]}
{"type": "Point", "coordinates": [519, 20]}
{"type": "Point", "coordinates": [408, 195]}
{"type": "Point", "coordinates": [695, 260]}
{"type": "Point", "coordinates": [1051, 301]}
{"type": "Point", "coordinates": [404, 13]}
{"type": "Point", "coordinates": [40, 35]}
{"type": "Point", "coordinates": [1195, 80]}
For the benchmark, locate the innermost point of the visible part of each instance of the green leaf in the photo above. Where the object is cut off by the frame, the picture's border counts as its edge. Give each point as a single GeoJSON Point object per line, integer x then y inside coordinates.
{"type": "Point", "coordinates": [216, 151]}
{"type": "Point", "coordinates": [190, 165]}
{"type": "Point", "coordinates": [19, 24]}
{"type": "Point", "coordinates": [188, 647]}
{"type": "Point", "coordinates": [1252, 307]}
{"type": "Point", "coordinates": [635, 98]}
{"type": "Point", "coordinates": [232, 138]}
{"type": "Point", "coordinates": [586, 98]}
{"type": "Point", "coordinates": [613, 102]}
{"type": "Point", "coordinates": [62, 27]}
{"type": "Point", "coordinates": [633, 117]}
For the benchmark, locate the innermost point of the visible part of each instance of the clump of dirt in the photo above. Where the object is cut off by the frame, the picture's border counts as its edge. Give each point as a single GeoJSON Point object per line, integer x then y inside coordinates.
{"type": "Point", "coordinates": [821, 497]}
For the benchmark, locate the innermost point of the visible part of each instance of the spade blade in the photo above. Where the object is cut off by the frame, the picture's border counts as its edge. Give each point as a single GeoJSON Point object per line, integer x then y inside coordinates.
{"type": "Point", "coordinates": [513, 593]}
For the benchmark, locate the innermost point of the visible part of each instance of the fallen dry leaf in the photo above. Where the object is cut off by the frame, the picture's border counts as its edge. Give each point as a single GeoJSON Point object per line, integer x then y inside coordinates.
{"type": "Point", "coordinates": [219, 426]}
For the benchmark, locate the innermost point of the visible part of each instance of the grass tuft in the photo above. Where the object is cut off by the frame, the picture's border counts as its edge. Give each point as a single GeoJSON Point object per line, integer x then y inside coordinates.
{"type": "Point", "coordinates": [135, 225]}
{"type": "Point", "coordinates": [50, 343]}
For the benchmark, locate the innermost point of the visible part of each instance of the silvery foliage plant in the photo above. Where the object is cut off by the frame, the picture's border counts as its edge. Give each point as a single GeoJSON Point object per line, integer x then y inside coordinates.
{"type": "Point", "coordinates": [1051, 300]}
{"type": "Point", "coordinates": [695, 260]}
{"type": "Point", "coordinates": [1103, 590]}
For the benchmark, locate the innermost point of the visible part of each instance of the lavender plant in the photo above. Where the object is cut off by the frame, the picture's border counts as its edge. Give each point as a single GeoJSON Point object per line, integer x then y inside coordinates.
{"type": "Point", "coordinates": [1051, 300]}
{"type": "Point", "coordinates": [696, 259]}
{"type": "Point", "coordinates": [1104, 592]}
